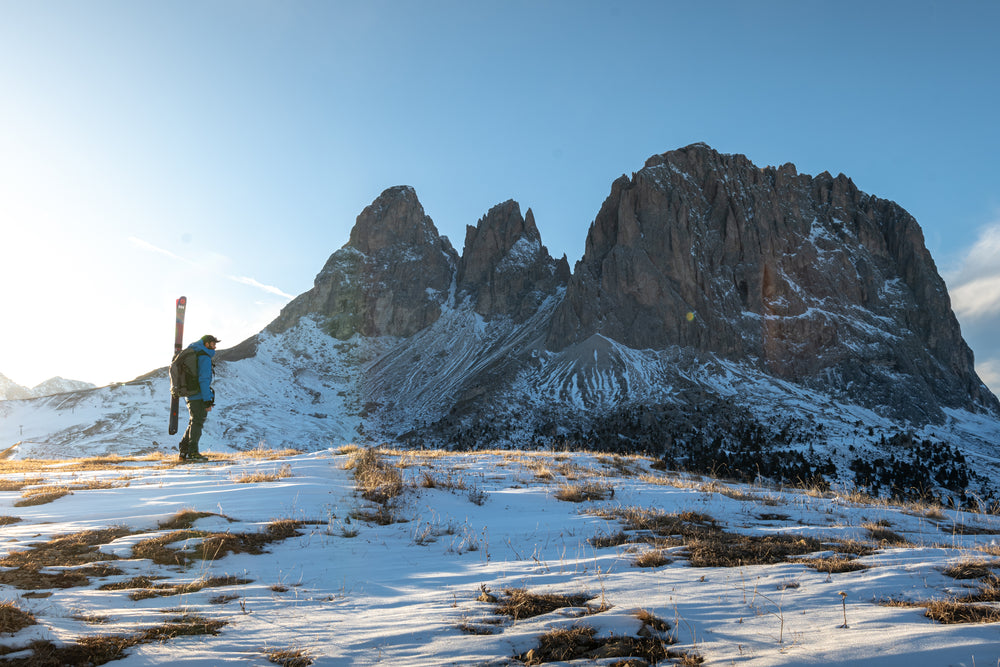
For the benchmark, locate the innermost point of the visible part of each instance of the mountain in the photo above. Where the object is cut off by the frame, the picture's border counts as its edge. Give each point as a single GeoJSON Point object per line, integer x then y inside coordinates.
{"type": "Point", "coordinates": [747, 320]}
{"type": "Point", "coordinates": [10, 390]}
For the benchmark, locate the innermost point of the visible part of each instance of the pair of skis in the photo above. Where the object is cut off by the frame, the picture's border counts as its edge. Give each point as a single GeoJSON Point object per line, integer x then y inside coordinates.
{"type": "Point", "coordinates": [175, 402]}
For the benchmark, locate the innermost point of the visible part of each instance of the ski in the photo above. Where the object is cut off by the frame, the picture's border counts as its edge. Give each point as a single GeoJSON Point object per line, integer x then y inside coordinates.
{"type": "Point", "coordinates": [175, 402]}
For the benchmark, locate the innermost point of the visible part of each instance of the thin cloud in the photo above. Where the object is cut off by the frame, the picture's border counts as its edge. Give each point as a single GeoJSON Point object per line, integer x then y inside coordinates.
{"type": "Point", "coordinates": [271, 289]}
{"type": "Point", "coordinates": [243, 280]}
{"type": "Point", "coordinates": [975, 291]}
{"type": "Point", "coordinates": [989, 373]}
{"type": "Point", "coordinates": [146, 245]}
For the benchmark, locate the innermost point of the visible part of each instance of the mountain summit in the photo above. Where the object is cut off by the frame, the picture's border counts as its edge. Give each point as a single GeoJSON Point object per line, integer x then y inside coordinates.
{"type": "Point", "coordinates": [805, 278]}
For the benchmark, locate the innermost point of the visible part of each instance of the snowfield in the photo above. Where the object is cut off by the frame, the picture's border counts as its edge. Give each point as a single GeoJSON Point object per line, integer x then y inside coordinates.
{"type": "Point", "coordinates": [284, 558]}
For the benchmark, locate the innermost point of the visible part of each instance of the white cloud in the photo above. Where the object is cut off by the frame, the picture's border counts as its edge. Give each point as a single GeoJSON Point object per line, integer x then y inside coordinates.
{"type": "Point", "coordinates": [989, 373]}
{"type": "Point", "coordinates": [977, 298]}
{"type": "Point", "coordinates": [213, 264]}
{"type": "Point", "coordinates": [267, 288]}
{"type": "Point", "coordinates": [975, 286]}
{"type": "Point", "coordinates": [146, 245]}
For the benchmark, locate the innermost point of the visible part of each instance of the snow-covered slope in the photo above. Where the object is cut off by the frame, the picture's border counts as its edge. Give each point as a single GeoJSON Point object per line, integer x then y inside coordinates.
{"type": "Point", "coordinates": [10, 390]}
{"type": "Point", "coordinates": [312, 578]}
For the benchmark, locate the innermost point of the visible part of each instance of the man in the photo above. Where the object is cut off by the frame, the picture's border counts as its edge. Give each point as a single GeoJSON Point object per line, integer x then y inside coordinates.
{"type": "Point", "coordinates": [201, 403]}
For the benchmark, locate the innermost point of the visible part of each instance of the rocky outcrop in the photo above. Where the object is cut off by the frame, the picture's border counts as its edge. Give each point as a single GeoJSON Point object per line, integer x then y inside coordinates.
{"type": "Point", "coordinates": [808, 278]}
{"type": "Point", "coordinates": [505, 268]}
{"type": "Point", "coordinates": [804, 279]}
{"type": "Point", "coordinates": [390, 279]}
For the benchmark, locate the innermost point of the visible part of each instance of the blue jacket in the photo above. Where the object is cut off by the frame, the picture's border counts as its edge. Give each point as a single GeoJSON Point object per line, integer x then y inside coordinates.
{"type": "Point", "coordinates": [204, 372]}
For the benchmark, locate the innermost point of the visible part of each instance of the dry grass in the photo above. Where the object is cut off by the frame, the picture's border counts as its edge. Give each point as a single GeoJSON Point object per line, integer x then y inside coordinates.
{"type": "Point", "coordinates": [971, 568]}
{"type": "Point", "coordinates": [581, 643]}
{"type": "Point", "coordinates": [67, 550]}
{"type": "Point", "coordinates": [165, 590]}
{"type": "Point", "coordinates": [578, 493]}
{"type": "Point", "coordinates": [289, 657]}
{"type": "Point", "coordinates": [883, 536]}
{"type": "Point", "coordinates": [733, 550]}
{"type": "Point", "coordinates": [605, 541]}
{"type": "Point", "coordinates": [79, 552]}
{"type": "Point", "coordinates": [102, 649]}
{"type": "Point", "coordinates": [955, 611]}
{"type": "Point", "coordinates": [256, 477]}
{"type": "Point", "coordinates": [42, 495]}
{"type": "Point", "coordinates": [834, 564]}
{"type": "Point", "coordinates": [8, 520]}
{"type": "Point", "coordinates": [13, 618]}
{"type": "Point", "coordinates": [520, 603]}
{"type": "Point", "coordinates": [376, 480]}
{"type": "Point", "coordinates": [113, 462]}
{"type": "Point", "coordinates": [651, 558]}
{"type": "Point", "coordinates": [211, 546]}
{"type": "Point", "coordinates": [654, 622]}
{"type": "Point", "coordinates": [708, 545]}
{"type": "Point", "coordinates": [19, 484]}
{"type": "Point", "coordinates": [185, 519]}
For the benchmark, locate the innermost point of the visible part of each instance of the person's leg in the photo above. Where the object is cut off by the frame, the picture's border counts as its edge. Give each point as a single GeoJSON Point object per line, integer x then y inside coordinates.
{"type": "Point", "coordinates": [198, 413]}
{"type": "Point", "coordinates": [185, 444]}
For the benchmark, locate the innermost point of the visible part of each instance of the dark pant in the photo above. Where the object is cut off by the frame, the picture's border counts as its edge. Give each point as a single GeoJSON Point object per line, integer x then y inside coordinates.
{"type": "Point", "coordinates": [198, 411]}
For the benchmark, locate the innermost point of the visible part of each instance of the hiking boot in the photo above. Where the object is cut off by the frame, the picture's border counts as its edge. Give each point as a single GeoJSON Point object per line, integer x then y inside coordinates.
{"type": "Point", "coordinates": [182, 458]}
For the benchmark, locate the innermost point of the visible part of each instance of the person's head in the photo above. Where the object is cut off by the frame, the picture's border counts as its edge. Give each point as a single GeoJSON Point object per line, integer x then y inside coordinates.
{"type": "Point", "coordinates": [210, 341]}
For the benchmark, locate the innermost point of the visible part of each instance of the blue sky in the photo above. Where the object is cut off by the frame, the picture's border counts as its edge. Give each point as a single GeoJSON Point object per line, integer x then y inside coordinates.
{"type": "Point", "coordinates": [223, 150]}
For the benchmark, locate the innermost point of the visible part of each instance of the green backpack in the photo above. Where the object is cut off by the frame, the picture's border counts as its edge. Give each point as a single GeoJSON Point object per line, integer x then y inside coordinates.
{"type": "Point", "coordinates": [184, 374]}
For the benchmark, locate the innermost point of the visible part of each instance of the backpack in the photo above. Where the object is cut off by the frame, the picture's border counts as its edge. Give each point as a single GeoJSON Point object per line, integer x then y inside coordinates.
{"type": "Point", "coordinates": [184, 374]}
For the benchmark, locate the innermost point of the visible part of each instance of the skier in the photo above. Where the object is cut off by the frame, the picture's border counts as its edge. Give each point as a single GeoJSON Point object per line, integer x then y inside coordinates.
{"type": "Point", "coordinates": [200, 403]}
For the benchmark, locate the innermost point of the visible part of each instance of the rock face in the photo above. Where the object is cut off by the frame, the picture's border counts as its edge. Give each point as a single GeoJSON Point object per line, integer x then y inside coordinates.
{"type": "Point", "coordinates": [698, 255]}
{"type": "Point", "coordinates": [807, 278]}
{"type": "Point", "coordinates": [504, 266]}
{"type": "Point", "coordinates": [390, 279]}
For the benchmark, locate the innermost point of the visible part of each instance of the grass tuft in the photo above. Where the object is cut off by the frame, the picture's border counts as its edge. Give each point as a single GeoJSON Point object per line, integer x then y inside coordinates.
{"type": "Point", "coordinates": [578, 493]}
{"type": "Point", "coordinates": [289, 657]}
{"type": "Point", "coordinates": [257, 477]}
{"type": "Point", "coordinates": [13, 618]}
{"type": "Point", "coordinates": [519, 603]}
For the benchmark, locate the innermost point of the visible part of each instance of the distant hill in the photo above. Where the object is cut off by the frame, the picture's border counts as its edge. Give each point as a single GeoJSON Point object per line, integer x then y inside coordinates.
{"type": "Point", "coordinates": [10, 390]}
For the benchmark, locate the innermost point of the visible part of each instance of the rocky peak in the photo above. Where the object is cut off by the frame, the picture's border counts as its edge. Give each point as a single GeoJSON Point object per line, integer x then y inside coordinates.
{"type": "Point", "coordinates": [396, 218]}
{"type": "Point", "coordinates": [390, 279]}
{"type": "Point", "coordinates": [505, 267]}
{"type": "Point", "coordinates": [808, 277]}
